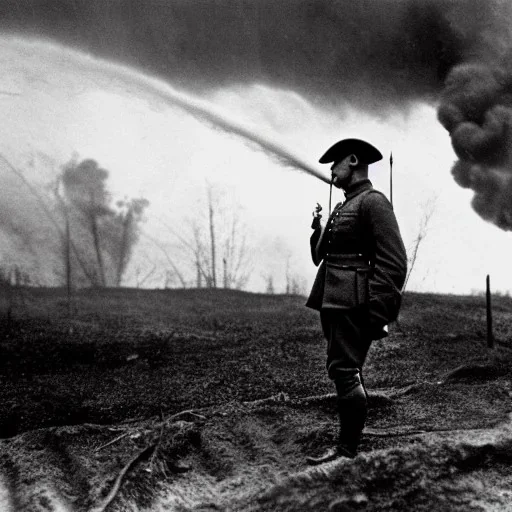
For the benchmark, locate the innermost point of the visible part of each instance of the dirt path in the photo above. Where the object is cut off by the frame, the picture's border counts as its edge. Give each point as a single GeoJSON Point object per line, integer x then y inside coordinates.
{"type": "Point", "coordinates": [430, 446]}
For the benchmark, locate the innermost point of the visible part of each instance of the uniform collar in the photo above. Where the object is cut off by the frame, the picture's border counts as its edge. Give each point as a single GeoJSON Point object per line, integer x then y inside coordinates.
{"type": "Point", "coordinates": [357, 188]}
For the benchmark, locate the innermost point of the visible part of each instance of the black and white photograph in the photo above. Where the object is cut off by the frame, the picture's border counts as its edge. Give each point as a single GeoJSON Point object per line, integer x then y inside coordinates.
{"type": "Point", "coordinates": [255, 255]}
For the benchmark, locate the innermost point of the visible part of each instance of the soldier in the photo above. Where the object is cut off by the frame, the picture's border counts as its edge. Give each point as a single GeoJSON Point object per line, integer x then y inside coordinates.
{"type": "Point", "coordinates": [358, 286]}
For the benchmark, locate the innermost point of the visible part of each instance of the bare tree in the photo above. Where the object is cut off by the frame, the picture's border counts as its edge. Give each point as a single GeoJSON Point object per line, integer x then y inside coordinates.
{"type": "Point", "coordinates": [428, 211]}
{"type": "Point", "coordinates": [269, 281]}
{"type": "Point", "coordinates": [236, 252]}
{"type": "Point", "coordinates": [222, 240]}
{"type": "Point", "coordinates": [88, 211]}
{"type": "Point", "coordinates": [202, 256]}
{"type": "Point", "coordinates": [84, 186]}
{"type": "Point", "coordinates": [142, 278]}
{"type": "Point", "coordinates": [295, 283]}
{"type": "Point", "coordinates": [213, 262]}
{"type": "Point", "coordinates": [288, 275]}
{"type": "Point", "coordinates": [130, 215]}
{"type": "Point", "coordinates": [282, 264]}
{"type": "Point", "coordinates": [52, 217]}
{"type": "Point", "coordinates": [175, 270]}
{"type": "Point", "coordinates": [194, 246]}
{"type": "Point", "coordinates": [199, 275]}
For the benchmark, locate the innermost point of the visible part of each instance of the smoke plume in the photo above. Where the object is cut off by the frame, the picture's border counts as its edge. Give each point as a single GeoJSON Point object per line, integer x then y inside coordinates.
{"type": "Point", "coordinates": [104, 236]}
{"type": "Point", "coordinates": [476, 109]}
{"type": "Point", "coordinates": [374, 55]}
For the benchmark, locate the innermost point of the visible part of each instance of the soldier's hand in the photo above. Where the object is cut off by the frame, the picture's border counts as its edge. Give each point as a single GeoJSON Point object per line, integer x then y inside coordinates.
{"type": "Point", "coordinates": [316, 217]}
{"type": "Point", "coordinates": [318, 209]}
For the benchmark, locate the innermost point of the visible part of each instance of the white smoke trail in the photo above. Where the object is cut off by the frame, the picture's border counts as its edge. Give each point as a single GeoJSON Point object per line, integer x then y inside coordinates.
{"type": "Point", "coordinates": [202, 110]}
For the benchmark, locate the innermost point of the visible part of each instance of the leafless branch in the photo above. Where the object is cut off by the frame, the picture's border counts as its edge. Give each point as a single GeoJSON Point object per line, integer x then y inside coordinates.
{"type": "Point", "coordinates": [115, 440]}
{"type": "Point", "coordinates": [50, 216]}
{"type": "Point", "coordinates": [167, 257]}
{"type": "Point", "coordinates": [422, 233]}
{"type": "Point", "coordinates": [144, 454]}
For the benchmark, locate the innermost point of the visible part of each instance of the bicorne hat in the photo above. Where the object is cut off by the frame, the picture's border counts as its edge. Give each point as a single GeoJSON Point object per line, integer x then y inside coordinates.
{"type": "Point", "coordinates": [365, 152]}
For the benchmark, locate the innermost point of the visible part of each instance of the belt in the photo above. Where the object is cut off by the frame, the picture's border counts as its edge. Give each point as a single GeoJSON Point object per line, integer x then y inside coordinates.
{"type": "Point", "coordinates": [351, 260]}
{"type": "Point", "coordinates": [348, 258]}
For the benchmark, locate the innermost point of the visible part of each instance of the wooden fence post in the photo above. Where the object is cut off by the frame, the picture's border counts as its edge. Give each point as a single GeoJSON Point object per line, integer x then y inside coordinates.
{"type": "Point", "coordinates": [490, 337]}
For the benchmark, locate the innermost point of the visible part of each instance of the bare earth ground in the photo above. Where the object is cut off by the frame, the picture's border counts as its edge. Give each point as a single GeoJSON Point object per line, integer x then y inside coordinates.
{"type": "Point", "coordinates": [210, 400]}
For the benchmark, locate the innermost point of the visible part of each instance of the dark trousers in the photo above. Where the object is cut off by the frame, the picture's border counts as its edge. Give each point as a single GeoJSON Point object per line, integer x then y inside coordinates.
{"type": "Point", "coordinates": [348, 338]}
{"type": "Point", "coordinates": [348, 341]}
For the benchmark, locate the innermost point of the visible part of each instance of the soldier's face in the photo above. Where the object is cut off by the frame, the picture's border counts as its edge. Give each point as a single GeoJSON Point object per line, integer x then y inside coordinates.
{"type": "Point", "coordinates": [342, 172]}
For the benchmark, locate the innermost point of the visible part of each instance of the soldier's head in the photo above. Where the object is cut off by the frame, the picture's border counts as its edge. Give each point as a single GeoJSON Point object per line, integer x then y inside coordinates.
{"type": "Point", "coordinates": [350, 160]}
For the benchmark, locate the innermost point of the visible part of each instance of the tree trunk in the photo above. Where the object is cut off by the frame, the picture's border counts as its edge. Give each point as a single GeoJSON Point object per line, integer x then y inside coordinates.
{"type": "Point", "coordinates": [199, 276]}
{"type": "Point", "coordinates": [97, 248]}
{"type": "Point", "coordinates": [127, 223]}
{"type": "Point", "coordinates": [50, 216]}
{"type": "Point", "coordinates": [212, 240]}
{"type": "Point", "coordinates": [68, 262]}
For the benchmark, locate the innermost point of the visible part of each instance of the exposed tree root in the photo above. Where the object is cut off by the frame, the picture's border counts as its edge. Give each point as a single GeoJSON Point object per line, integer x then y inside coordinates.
{"type": "Point", "coordinates": [191, 412]}
{"type": "Point", "coordinates": [144, 454]}
{"type": "Point", "coordinates": [115, 440]}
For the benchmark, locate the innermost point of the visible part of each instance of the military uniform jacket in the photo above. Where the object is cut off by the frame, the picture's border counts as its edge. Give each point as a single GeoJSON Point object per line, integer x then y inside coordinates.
{"type": "Point", "coordinates": [361, 233]}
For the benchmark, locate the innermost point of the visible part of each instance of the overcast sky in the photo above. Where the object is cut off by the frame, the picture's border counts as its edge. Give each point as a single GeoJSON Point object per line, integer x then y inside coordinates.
{"type": "Point", "coordinates": [57, 101]}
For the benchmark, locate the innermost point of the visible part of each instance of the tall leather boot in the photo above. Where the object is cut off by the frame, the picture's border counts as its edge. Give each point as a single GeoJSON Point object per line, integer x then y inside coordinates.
{"type": "Point", "coordinates": [352, 411]}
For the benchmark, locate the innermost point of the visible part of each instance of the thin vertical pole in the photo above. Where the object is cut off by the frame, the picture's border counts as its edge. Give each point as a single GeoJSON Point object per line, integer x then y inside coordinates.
{"type": "Point", "coordinates": [490, 337]}
{"type": "Point", "coordinates": [68, 261]}
{"type": "Point", "coordinates": [330, 197]}
{"type": "Point", "coordinates": [391, 178]}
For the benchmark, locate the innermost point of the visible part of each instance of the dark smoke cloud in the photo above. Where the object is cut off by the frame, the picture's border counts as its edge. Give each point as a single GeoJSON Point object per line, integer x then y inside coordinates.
{"type": "Point", "coordinates": [476, 109]}
{"type": "Point", "coordinates": [373, 55]}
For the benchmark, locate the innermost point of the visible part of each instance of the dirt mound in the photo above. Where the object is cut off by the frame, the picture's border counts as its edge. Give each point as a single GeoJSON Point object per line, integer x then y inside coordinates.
{"type": "Point", "coordinates": [251, 456]}
{"type": "Point", "coordinates": [461, 470]}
